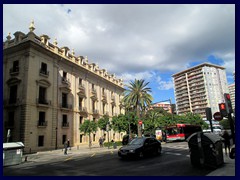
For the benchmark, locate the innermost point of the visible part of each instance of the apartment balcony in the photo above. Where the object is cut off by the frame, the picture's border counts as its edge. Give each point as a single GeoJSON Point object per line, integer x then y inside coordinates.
{"type": "Point", "coordinates": [106, 113]}
{"type": "Point", "coordinates": [93, 94]}
{"type": "Point", "coordinates": [43, 73]}
{"type": "Point", "coordinates": [82, 92]}
{"type": "Point", "coordinates": [42, 123]}
{"type": "Point", "coordinates": [104, 97]}
{"type": "Point", "coordinates": [66, 82]}
{"type": "Point", "coordinates": [113, 100]}
{"type": "Point", "coordinates": [95, 112]}
{"type": "Point", "coordinates": [11, 102]}
{"type": "Point", "coordinates": [82, 109]}
{"type": "Point", "coordinates": [65, 106]}
{"type": "Point", "coordinates": [43, 102]}
{"type": "Point", "coordinates": [14, 71]}
{"type": "Point", "coordinates": [65, 124]}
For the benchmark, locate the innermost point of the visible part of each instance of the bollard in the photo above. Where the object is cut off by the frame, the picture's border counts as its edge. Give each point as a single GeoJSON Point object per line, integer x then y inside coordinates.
{"type": "Point", "coordinates": [26, 158]}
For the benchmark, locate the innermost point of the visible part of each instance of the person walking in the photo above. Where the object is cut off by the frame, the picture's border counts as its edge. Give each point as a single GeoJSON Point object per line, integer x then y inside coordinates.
{"type": "Point", "coordinates": [100, 142]}
{"type": "Point", "coordinates": [65, 147]}
{"type": "Point", "coordinates": [227, 138]}
{"type": "Point", "coordinates": [68, 144]}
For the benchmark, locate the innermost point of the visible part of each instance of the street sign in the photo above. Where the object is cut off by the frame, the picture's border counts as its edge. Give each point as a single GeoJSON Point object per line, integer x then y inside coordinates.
{"type": "Point", "coordinates": [140, 122]}
{"type": "Point", "coordinates": [217, 116]}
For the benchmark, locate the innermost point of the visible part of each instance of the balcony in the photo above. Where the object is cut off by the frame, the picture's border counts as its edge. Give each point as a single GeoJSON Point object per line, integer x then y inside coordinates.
{"type": "Point", "coordinates": [93, 94]}
{"type": "Point", "coordinates": [14, 71]}
{"type": "Point", "coordinates": [65, 106]}
{"type": "Point", "coordinates": [113, 101]}
{"type": "Point", "coordinates": [104, 97]}
{"type": "Point", "coordinates": [65, 124]}
{"type": "Point", "coordinates": [42, 123]}
{"type": "Point", "coordinates": [95, 112]}
{"type": "Point", "coordinates": [44, 102]}
{"type": "Point", "coordinates": [82, 109]}
{"type": "Point", "coordinates": [11, 102]}
{"type": "Point", "coordinates": [66, 81]}
{"type": "Point", "coordinates": [81, 92]}
{"type": "Point", "coordinates": [43, 73]}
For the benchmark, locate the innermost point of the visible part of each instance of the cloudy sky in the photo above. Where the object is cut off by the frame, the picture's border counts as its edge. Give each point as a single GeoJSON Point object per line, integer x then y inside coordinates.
{"type": "Point", "coordinates": [142, 41]}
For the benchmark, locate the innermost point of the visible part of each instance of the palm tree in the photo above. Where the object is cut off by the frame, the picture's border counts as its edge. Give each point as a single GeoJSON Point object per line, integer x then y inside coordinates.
{"type": "Point", "coordinates": [137, 95]}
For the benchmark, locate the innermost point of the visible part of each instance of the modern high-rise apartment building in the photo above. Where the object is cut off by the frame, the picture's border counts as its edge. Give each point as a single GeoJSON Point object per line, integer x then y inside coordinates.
{"type": "Point", "coordinates": [231, 88]}
{"type": "Point", "coordinates": [48, 93]}
{"type": "Point", "coordinates": [200, 87]}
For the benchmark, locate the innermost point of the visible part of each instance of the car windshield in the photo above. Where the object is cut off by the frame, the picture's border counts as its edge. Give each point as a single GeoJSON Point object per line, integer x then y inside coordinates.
{"type": "Point", "coordinates": [137, 141]}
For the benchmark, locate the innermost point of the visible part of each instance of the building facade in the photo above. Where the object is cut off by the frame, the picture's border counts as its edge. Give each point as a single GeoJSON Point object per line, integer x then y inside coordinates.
{"type": "Point", "coordinates": [231, 88]}
{"type": "Point", "coordinates": [165, 105]}
{"type": "Point", "coordinates": [200, 87]}
{"type": "Point", "coordinates": [49, 92]}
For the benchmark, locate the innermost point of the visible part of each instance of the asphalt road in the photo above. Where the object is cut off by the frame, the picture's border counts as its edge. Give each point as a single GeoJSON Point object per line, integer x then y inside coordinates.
{"type": "Point", "coordinates": [174, 161]}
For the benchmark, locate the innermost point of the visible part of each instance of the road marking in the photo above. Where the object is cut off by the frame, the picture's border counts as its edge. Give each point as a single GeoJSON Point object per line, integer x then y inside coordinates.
{"type": "Point", "coordinates": [68, 158]}
{"type": "Point", "coordinates": [177, 154]}
{"type": "Point", "coordinates": [93, 155]}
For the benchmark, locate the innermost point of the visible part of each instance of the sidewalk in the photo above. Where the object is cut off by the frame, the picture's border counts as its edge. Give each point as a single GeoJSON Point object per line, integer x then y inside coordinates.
{"type": "Point", "coordinates": [227, 169]}
{"type": "Point", "coordinates": [59, 153]}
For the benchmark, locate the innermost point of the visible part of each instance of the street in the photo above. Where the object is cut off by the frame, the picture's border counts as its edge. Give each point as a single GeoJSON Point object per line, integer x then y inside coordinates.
{"type": "Point", "coordinates": [174, 161]}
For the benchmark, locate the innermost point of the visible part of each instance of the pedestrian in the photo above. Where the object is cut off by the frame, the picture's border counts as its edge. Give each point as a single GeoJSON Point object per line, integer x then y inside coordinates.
{"type": "Point", "coordinates": [65, 147]}
{"type": "Point", "coordinates": [227, 138]}
{"type": "Point", "coordinates": [100, 142]}
{"type": "Point", "coordinates": [68, 144]}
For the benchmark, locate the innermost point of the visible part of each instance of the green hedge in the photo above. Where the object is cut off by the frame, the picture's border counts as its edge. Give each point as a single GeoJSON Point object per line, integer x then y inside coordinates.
{"type": "Point", "coordinates": [118, 143]}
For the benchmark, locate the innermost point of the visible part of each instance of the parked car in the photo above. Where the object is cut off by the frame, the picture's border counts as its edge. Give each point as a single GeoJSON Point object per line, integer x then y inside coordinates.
{"type": "Point", "coordinates": [232, 152]}
{"type": "Point", "coordinates": [140, 147]}
{"type": "Point", "coordinates": [125, 139]}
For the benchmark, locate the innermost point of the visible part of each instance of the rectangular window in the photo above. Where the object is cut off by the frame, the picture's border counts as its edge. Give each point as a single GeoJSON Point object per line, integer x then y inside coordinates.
{"type": "Point", "coordinates": [43, 69]}
{"type": "Point", "coordinates": [80, 103]}
{"type": "Point", "coordinates": [64, 120]}
{"type": "Point", "coordinates": [80, 81]}
{"type": "Point", "coordinates": [64, 75]}
{"type": "Point", "coordinates": [93, 105]}
{"type": "Point", "coordinates": [42, 95]}
{"type": "Point", "coordinates": [13, 94]}
{"type": "Point", "coordinates": [15, 66]}
{"type": "Point", "coordinates": [64, 100]}
{"type": "Point", "coordinates": [41, 120]}
{"type": "Point", "coordinates": [40, 141]}
{"type": "Point", "coordinates": [81, 138]}
{"type": "Point", "coordinates": [10, 119]}
{"type": "Point", "coordinates": [80, 119]}
{"type": "Point", "coordinates": [64, 138]}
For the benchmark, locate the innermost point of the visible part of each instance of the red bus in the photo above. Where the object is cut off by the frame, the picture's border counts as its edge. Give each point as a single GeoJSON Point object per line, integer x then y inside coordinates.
{"type": "Point", "coordinates": [181, 131]}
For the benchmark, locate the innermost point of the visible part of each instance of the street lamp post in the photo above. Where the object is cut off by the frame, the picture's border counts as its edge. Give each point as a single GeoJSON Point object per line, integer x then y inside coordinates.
{"type": "Point", "coordinates": [108, 133]}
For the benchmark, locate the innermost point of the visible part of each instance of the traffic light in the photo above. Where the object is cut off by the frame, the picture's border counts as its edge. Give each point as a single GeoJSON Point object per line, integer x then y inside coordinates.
{"type": "Point", "coordinates": [228, 103]}
{"type": "Point", "coordinates": [222, 109]}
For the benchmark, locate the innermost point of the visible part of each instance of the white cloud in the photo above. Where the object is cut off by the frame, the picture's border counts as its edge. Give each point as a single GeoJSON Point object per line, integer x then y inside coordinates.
{"type": "Point", "coordinates": [164, 85]}
{"type": "Point", "coordinates": [133, 39]}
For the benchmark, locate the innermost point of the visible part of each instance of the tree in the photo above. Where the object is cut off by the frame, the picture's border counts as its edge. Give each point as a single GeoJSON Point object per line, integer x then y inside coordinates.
{"type": "Point", "coordinates": [102, 123]}
{"type": "Point", "coordinates": [137, 95]}
{"type": "Point", "coordinates": [87, 128]}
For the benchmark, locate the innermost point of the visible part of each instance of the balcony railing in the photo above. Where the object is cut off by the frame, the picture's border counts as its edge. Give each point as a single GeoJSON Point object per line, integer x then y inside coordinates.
{"type": "Point", "coordinates": [65, 124]}
{"type": "Point", "coordinates": [82, 109]}
{"type": "Point", "coordinates": [44, 72]}
{"type": "Point", "coordinates": [43, 101]}
{"type": "Point", "coordinates": [66, 106]}
{"type": "Point", "coordinates": [66, 81]}
{"type": "Point", "coordinates": [95, 111]}
{"type": "Point", "coordinates": [14, 71]}
{"type": "Point", "coordinates": [42, 123]}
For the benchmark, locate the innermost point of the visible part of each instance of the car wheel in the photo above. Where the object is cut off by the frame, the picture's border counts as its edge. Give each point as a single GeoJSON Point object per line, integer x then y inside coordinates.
{"type": "Point", "coordinates": [159, 151]}
{"type": "Point", "coordinates": [140, 155]}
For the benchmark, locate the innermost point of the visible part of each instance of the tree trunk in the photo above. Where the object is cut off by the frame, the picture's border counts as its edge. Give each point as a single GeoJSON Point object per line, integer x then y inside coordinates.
{"type": "Point", "coordinates": [138, 125]}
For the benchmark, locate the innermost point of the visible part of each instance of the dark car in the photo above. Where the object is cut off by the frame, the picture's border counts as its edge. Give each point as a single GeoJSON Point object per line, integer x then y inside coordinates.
{"type": "Point", "coordinates": [140, 147]}
{"type": "Point", "coordinates": [125, 139]}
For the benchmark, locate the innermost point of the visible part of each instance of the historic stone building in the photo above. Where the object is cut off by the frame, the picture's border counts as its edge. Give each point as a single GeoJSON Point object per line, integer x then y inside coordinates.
{"type": "Point", "coordinates": [48, 93]}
